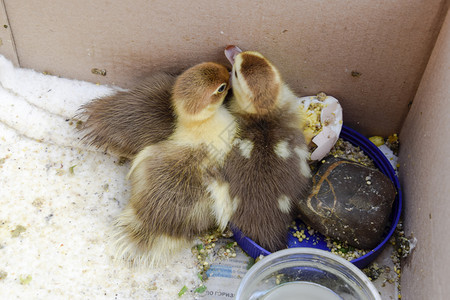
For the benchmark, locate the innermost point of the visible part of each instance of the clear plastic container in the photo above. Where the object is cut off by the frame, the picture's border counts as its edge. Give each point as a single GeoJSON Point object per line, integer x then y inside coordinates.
{"type": "Point", "coordinates": [305, 273]}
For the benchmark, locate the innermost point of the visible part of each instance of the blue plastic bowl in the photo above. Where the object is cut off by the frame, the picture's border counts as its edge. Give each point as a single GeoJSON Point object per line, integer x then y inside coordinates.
{"type": "Point", "coordinates": [317, 240]}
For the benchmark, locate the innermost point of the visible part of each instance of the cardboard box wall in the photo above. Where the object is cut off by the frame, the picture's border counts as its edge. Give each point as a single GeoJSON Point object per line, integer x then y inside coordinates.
{"type": "Point", "coordinates": [388, 62]}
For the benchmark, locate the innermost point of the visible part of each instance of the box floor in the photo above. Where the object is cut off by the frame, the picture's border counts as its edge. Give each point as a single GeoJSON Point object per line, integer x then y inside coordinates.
{"type": "Point", "coordinates": [58, 199]}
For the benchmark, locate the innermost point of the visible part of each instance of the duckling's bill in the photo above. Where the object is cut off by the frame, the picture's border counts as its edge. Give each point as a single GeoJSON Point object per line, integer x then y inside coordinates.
{"type": "Point", "coordinates": [231, 51]}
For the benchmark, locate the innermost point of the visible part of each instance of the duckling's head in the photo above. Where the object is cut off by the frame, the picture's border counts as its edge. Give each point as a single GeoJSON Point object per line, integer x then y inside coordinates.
{"type": "Point", "coordinates": [200, 90]}
{"type": "Point", "coordinates": [256, 82]}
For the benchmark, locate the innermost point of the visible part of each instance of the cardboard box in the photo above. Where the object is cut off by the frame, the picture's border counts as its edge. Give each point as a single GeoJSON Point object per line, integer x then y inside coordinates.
{"type": "Point", "coordinates": [388, 62]}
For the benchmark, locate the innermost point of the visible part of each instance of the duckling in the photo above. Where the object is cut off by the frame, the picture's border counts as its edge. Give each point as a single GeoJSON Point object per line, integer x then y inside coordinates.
{"type": "Point", "coordinates": [176, 187]}
{"type": "Point", "coordinates": [127, 121]}
{"type": "Point", "coordinates": [267, 169]}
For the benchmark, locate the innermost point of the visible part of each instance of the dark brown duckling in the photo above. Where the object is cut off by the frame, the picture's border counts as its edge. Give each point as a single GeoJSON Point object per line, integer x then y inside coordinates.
{"type": "Point", "coordinates": [267, 169]}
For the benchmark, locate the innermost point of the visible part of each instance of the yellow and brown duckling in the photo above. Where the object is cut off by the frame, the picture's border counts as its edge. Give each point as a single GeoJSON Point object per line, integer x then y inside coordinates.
{"type": "Point", "coordinates": [267, 169]}
{"type": "Point", "coordinates": [175, 184]}
{"type": "Point", "coordinates": [128, 121]}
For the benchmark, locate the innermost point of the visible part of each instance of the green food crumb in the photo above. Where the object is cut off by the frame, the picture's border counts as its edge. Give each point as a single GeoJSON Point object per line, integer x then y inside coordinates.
{"type": "Point", "coordinates": [229, 245]}
{"type": "Point", "coordinates": [251, 262]}
{"type": "Point", "coordinates": [17, 231]}
{"type": "Point", "coordinates": [25, 280]}
{"type": "Point", "coordinates": [202, 275]}
{"type": "Point", "coordinates": [3, 274]}
{"type": "Point", "coordinates": [356, 74]}
{"type": "Point", "coordinates": [122, 160]}
{"type": "Point", "coordinates": [200, 247]}
{"type": "Point", "coordinates": [200, 289]}
{"type": "Point", "coordinates": [71, 169]}
{"type": "Point", "coordinates": [97, 71]}
{"type": "Point", "coordinates": [182, 291]}
{"type": "Point", "coordinates": [79, 124]}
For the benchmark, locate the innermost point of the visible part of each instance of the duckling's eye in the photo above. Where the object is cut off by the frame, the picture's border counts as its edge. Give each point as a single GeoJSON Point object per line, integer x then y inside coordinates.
{"type": "Point", "coordinates": [222, 88]}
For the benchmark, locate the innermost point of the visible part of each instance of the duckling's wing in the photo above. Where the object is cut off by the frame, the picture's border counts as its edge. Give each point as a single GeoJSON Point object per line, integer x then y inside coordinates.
{"type": "Point", "coordinates": [168, 191]}
{"type": "Point", "coordinates": [128, 121]}
{"type": "Point", "coordinates": [168, 206]}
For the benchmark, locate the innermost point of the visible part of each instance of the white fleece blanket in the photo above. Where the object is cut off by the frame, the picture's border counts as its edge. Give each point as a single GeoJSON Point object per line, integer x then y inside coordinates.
{"type": "Point", "coordinates": [58, 200]}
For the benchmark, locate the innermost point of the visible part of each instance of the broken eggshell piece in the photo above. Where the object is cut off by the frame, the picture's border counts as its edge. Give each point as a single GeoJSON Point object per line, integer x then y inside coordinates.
{"type": "Point", "coordinates": [325, 134]}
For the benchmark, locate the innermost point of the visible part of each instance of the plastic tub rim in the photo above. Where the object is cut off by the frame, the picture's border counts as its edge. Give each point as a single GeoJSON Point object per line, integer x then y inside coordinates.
{"type": "Point", "coordinates": [310, 251]}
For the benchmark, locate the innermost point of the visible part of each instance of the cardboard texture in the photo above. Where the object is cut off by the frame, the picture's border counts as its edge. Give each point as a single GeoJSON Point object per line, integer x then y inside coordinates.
{"type": "Point", "coordinates": [371, 55]}
{"type": "Point", "coordinates": [317, 45]}
{"type": "Point", "coordinates": [425, 177]}
{"type": "Point", "coordinates": [7, 46]}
